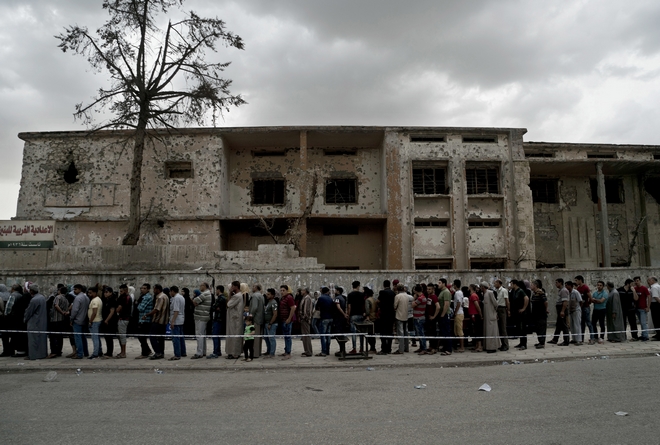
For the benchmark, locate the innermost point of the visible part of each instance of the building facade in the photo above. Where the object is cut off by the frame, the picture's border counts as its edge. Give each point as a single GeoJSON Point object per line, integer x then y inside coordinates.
{"type": "Point", "coordinates": [368, 198]}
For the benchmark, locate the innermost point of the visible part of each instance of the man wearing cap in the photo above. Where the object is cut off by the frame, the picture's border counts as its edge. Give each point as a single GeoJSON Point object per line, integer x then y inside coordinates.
{"type": "Point", "coordinates": [37, 325]}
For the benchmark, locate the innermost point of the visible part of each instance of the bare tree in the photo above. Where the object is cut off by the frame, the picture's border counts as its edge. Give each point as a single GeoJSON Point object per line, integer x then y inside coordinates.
{"type": "Point", "coordinates": [159, 76]}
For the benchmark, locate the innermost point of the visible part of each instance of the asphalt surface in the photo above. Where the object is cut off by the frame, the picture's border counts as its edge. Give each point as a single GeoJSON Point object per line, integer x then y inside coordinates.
{"type": "Point", "coordinates": [552, 403]}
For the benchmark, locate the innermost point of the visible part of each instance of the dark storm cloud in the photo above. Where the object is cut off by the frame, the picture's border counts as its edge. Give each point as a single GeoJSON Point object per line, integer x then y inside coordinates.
{"type": "Point", "coordinates": [574, 71]}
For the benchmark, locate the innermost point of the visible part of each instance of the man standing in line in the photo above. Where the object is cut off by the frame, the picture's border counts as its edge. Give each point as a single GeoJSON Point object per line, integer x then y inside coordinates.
{"type": "Point", "coordinates": [401, 315]}
{"type": "Point", "coordinates": [627, 296]}
{"type": "Point", "coordinates": [177, 318]}
{"type": "Point", "coordinates": [306, 313]}
{"type": "Point", "coordinates": [37, 320]}
{"type": "Point", "coordinates": [585, 293]}
{"type": "Point", "coordinates": [387, 317]}
{"type": "Point", "coordinates": [145, 306]}
{"type": "Point", "coordinates": [124, 305]}
{"type": "Point", "coordinates": [503, 312]}
{"type": "Point", "coordinates": [202, 316]}
{"type": "Point", "coordinates": [219, 320]}
{"type": "Point", "coordinates": [371, 315]}
{"type": "Point", "coordinates": [339, 314]}
{"type": "Point", "coordinates": [257, 304]}
{"type": "Point", "coordinates": [444, 300]}
{"type": "Point", "coordinates": [95, 316]}
{"type": "Point", "coordinates": [655, 305]}
{"type": "Point", "coordinates": [58, 322]}
{"type": "Point", "coordinates": [643, 301]}
{"type": "Point", "coordinates": [79, 321]}
{"type": "Point", "coordinates": [355, 311]}
{"type": "Point", "coordinates": [270, 317]}
{"type": "Point", "coordinates": [286, 310]}
{"type": "Point", "coordinates": [419, 318]}
{"type": "Point", "coordinates": [325, 307]}
{"type": "Point", "coordinates": [574, 306]}
{"type": "Point", "coordinates": [599, 299]}
{"type": "Point", "coordinates": [522, 301]}
{"type": "Point", "coordinates": [160, 314]}
{"type": "Point", "coordinates": [561, 306]}
{"type": "Point", "coordinates": [459, 315]}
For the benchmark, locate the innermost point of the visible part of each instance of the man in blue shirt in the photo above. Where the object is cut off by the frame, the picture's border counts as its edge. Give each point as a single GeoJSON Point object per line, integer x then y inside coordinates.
{"type": "Point", "coordinates": [600, 312]}
{"type": "Point", "coordinates": [325, 306]}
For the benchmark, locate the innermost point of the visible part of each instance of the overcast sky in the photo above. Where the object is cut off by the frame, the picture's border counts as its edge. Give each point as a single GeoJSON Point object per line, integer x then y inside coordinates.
{"type": "Point", "coordinates": [572, 71]}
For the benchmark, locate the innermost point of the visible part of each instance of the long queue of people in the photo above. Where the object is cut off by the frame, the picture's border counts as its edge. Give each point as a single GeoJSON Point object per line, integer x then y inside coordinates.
{"type": "Point", "coordinates": [432, 317]}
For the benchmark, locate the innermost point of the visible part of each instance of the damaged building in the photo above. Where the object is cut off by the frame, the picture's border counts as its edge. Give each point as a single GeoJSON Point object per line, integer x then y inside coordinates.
{"type": "Point", "coordinates": [350, 198]}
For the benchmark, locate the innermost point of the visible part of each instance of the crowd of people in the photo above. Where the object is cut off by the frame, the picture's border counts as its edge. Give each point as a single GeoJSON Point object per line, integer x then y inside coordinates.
{"type": "Point", "coordinates": [440, 318]}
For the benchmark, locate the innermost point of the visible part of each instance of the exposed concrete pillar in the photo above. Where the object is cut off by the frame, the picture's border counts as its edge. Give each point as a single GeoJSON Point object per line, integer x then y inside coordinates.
{"type": "Point", "coordinates": [303, 193]}
{"type": "Point", "coordinates": [459, 224]}
{"type": "Point", "coordinates": [602, 206]}
{"type": "Point", "coordinates": [394, 226]}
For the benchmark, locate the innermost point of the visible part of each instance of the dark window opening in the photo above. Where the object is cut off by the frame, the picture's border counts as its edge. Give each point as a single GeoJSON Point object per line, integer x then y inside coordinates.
{"type": "Point", "coordinates": [340, 230]}
{"type": "Point", "coordinates": [482, 180]}
{"type": "Point", "coordinates": [486, 264]}
{"type": "Point", "coordinates": [545, 190]}
{"type": "Point", "coordinates": [484, 223]}
{"type": "Point", "coordinates": [342, 268]}
{"type": "Point", "coordinates": [542, 265]}
{"type": "Point", "coordinates": [652, 187]}
{"type": "Point", "coordinates": [656, 157]}
{"type": "Point", "coordinates": [268, 153]}
{"type": "Point", "coordinates": [160, 223]}
{"type": "Point", "coordinates": [268, 192]}
{"type": "Point", "coordinates": [476, 139]}
{"type": "Point", "coordinates": [430, 181]}
{"type": "Point", "coordinates": [433, 265]}
{"type": "Point", "coordinates": [539, 155]}
{"type": "Point", "coordinates": [427, 139]}
{"type": "Point", "coordinates": [341, 152]}
{"type": "Point", "coordinates": [178, 170]}
{"type": "Point", "coordinates": [275, 227]}
{"type": "Point", "coordinates": [71, 174]}
{"type": "Point", "coordinates": [341, 191]}
{"type": "Point", "coordinates": [600, 156]}
{"type": "Point", "coordinates": [431, 223]}
{"type": "Point", "coordinates": [613, 191]}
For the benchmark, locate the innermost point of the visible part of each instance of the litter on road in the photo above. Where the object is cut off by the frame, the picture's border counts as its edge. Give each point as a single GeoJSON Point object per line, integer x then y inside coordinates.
{"type": "Point", "coordinates": [422, 386]}
{"type": "Point", "coordinates": [485, 387]}
{"type": "Point", "coordinates": [50, 377]}
{"type": "Point", "coordinates": [621, 413]}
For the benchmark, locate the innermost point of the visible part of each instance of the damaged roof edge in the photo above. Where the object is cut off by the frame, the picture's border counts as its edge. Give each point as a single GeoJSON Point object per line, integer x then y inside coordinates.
{"type": "Point", "coordinates": [26, 136]}
{"type": "Point", "coordinates": [586, 145]}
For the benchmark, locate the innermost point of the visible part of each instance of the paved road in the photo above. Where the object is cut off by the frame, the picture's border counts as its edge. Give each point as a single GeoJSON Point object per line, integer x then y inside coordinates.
{"type": "Point", "coordinates": [569, 402]}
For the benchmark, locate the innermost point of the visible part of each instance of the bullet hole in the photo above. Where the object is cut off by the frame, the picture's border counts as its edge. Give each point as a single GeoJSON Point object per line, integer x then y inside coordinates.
{"type": "Point", "coordinates": [71, 174]}
{"type": "Point", "coordinates": [160, 223]}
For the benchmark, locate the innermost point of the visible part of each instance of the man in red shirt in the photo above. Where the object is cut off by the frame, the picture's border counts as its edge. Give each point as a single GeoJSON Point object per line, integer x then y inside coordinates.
{"type": "Point", "coordinates": [585, 293]}
{"type": "Point", "coordinates": [643, 301]}
{"type": "Point", "coordinates": [286, 311]}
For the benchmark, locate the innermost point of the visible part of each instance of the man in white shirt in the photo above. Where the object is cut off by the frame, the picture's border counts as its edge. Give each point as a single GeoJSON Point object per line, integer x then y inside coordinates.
{"type": "Point", "coordinates": [458, 314]}
{"type": "Point", "coordinates": [503, 311]}
{"type": "Point", "coordinates": [654, 288]}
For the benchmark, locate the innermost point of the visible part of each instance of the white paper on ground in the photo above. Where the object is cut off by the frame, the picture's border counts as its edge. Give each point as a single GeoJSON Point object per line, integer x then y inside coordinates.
{"type": "Point", "coordinates": [485, 387]}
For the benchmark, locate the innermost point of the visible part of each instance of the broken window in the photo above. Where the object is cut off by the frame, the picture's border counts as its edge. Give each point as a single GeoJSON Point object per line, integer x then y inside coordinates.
{"type": "Point", "coordinates": [545, 190]}
{"type": "Point", "coordinates": [486, 263]}
{"type": "Point", "coordinates": [340, 152]}
{"type": "Point", "coordinates": [479, 139]}
{"type": "Point", "coordinates": [429, 138]}
{"type": "Point", "coordinates": [422, 223]}
{"type": "Point", "coordinates": [482, 180]}
{"type": "Point", "coordinates": [340, 230]}
{"type": "Point", "coordinates": [341, 191]}
{"type": "Point", "coordinates": [178, 170]}
{"type": "Point", "coordinates": [268, 191]}
{"type": "Point", "coordinates": [539, 155]}
{"type": "Point", "coordinates": [652, 187]}
{"type": "Point", "coordinates": [433, 264]}
{"type": "Point", "coordinates": [71, 174]}
{"type": "Point", "coordinates": [268, 153]}
{"type": "Point", "coordinates": [613, 191]}
{"type": "Point", "coordinates": [484, 223]}
{"type": "Point", "coordinates": [430, 181]}
{"type": "Point", "coordinates": [601, 156]}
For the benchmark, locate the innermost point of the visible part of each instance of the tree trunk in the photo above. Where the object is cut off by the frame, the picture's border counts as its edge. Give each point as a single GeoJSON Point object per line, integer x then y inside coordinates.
{"type": "Point", "coordinates": [134, 220]}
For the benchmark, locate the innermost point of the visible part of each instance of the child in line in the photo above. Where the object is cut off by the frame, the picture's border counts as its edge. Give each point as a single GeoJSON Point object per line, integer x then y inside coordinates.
{"type": "Point", "coordinates": [248, 346]}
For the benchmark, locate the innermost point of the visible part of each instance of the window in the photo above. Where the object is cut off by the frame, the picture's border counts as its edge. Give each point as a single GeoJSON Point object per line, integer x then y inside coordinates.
{"type": "Point", "coordinates": [479, 139]}
{"type": "Point", "coordinates": [545, 190]}
{"type": "Point", "coordinates": [178, 170]}
{"type": "Point", "coordinates": [419, 223]}
{"type": "Point", "coordinates": [429, 138]}
{"type": "Point", "coordinates": [484, 223]}
{"type": "Point", "coordinates": [268, 191]}
{"type": "Point", "coordinates": [71, 174]}
{"type": "Point", "coordinates": [430, 181]}
{"type": "Point", "coordinates": [340, 230]}
{"type": "Point", "coordinates": [340, 152]}
{"type": "Point", "coordinates": [341, 191]}
{"type": "Point", "coordinates": [482, 180]}
{"type": "Point", "coordinates": [478, 263]}
{"type": "Point", "coordinates": [539, 155]}
{"type": "Point", "coordinates": [600, 156]}
{"type": "Point", "coordinates": [613, 191]}
{"type": "Point", "coordinates": [433, 264]}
